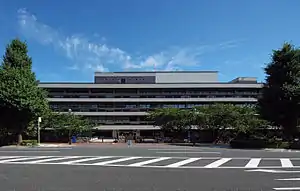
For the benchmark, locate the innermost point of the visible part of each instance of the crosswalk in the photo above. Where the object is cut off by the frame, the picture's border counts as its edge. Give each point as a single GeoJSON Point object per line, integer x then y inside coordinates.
{"type": "Point", "coordinates": [156, 162]}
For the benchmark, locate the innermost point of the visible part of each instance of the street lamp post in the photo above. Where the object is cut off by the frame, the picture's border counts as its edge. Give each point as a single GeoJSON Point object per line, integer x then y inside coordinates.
{"type": "Point", "coordinates": [39, 130]}
{"type": "Point", "coordinates": [70, 113]}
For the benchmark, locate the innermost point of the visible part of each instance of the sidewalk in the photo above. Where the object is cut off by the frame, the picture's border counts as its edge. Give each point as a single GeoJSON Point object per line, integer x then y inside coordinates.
{"type": "Point", "coordinates": [55, 145]}
{"type": "Point", "coordinates": [281, 150]}
{"type": "Point", "coordinates": [211, 145]}
{"type": "Point", "coordinates": [43, 145]}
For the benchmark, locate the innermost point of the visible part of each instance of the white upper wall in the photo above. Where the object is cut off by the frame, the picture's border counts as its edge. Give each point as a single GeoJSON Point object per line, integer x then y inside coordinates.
{"type": "Point", "coordinates": [111, 74]}
{"type": "Point", "coordinates": [173, 77]}
{"type": "Point", "coordinates": [186, 77]}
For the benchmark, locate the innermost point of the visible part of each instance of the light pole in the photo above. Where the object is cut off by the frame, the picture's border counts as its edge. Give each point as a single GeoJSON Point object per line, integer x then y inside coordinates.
{"type": "Point", "coordinates": [39, 130]}
{"type": "Point", "coordinates": [70, 113]}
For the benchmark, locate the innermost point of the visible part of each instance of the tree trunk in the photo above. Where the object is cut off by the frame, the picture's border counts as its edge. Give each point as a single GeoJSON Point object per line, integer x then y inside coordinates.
{"type": "Point", "coordinates": [70, 138]}
{"type": "Point", "coordinates": [20, 139]}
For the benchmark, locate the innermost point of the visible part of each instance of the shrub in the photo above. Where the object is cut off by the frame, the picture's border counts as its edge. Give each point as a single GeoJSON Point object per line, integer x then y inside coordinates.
{"type": "Point", "coordinates": [248, 143]}
{"type": "Point", "coordinates": [284, 145]}
{"type": "Point", "coordinates": [29, 143]}
{"type": "Point", "coordinates": [294, 145]}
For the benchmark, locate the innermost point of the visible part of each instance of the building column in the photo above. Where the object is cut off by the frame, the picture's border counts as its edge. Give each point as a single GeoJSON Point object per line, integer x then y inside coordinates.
{"type": "Point", "coordinates": [137, 133]}
{"type": "Point", "coordinates": [114, 134]}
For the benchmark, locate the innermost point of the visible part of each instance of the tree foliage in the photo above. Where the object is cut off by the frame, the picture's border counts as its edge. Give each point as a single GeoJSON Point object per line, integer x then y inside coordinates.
{"type": "Point", "coordinates": [21, 100]}
{"type": "Point", "coordinates": [171, 119]}
{"type": "Point", "coordinates": [280, 100]}
{"type": "Point", "coordinates": [65, 124]}
{"type": "Point", "coordinates": [216, 117]}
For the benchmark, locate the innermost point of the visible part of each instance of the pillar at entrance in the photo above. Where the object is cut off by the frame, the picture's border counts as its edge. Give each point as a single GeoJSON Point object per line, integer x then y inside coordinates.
{"type": "Point", "coordinates": [137, 133]}
{"type": "Point", "coordinates": [114, 134]}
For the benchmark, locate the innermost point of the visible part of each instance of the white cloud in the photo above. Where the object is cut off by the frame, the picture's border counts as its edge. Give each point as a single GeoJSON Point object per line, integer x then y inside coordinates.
{"type": "Point", "coordinates": [89, 55]}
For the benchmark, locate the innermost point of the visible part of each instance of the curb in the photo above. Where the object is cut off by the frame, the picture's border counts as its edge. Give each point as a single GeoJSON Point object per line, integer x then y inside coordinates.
{"type": "Point", "coordinates": [282, 150]}
{"type": "Point", "coordinates": [38, 146]}
{"type": "Point", "coordinates": [54, 146]}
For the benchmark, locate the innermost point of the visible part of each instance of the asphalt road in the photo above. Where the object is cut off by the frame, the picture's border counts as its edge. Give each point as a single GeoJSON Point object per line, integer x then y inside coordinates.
{"type": "Point", "coordinates": [146, 150]}
{"type": "Point", "coordinates": [176, 169]}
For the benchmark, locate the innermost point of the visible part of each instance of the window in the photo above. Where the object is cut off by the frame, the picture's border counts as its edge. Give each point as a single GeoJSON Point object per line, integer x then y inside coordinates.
{"type": "Point", "coordinates": [145, 106]}
{"type": "Point", "coordinates": [122, 81]}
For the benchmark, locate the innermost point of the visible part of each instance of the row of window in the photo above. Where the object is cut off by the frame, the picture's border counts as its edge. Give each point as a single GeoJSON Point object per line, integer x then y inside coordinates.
{"type": "Point", "coordinates": [160, 93]}
{"type": "Point", "coordinates": [96, 122]}
{"type": "Point", "coordinates": [160, 96]}
{"type": "Point", "coordinates": [124, 120]}
{"type": "Point", "coordinates": [118, 118]}
{"type": "Point", "coordinates": [154, 91]}
{"type": "Point", "coordinates": [120, 108]}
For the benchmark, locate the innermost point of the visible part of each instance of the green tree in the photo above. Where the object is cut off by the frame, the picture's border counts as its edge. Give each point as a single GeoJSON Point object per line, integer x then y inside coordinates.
{"type": "Point", "coordinates": [217, 116]}
{"type": "Point", "coordinates": [248, 121]}
{"type": "Point", "coordinates": [66, 124]}
{"type": "Point", "coordinates": [225, 120]}
{"type": "Point", "coordinates": [171, 119]}
{"type": "Point", "coordinates": [280, 100]}
{"type": "Point", "coordinates": [21, 100]}
{"type": "Point", "coordinates": [228, 121]}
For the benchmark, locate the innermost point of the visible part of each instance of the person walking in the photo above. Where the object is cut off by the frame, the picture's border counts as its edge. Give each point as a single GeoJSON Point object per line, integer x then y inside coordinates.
{"type": "Point", "coordinates": [129, 140]}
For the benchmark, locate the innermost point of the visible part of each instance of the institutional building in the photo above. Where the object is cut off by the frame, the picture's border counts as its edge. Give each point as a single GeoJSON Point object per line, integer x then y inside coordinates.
{"type": "Point", "coordinates": [119, 101]}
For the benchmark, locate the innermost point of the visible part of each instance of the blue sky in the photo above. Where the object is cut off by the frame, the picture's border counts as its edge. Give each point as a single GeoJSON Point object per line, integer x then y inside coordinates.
{"type": "Point", "coordinates": [68, 41]}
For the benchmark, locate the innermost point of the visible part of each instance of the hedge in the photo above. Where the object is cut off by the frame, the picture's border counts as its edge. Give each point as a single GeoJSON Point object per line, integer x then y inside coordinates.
{"type": "Point", "coordinates": [250, 143]}
{"type": "Point", "coordinates": [294, 145]}
{"type": "Point", "coordinates": [29, 143]}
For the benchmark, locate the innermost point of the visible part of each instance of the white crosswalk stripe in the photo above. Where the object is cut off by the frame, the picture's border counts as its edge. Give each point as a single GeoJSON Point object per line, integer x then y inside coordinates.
{"type": "Point", "coordinates": [156, 161]}
{"type": "Point", "coordinates": [51, 159]}
{"type": "Point", "coordinates": [149, 161]}
{"type": "Point", "coordinates": [9, 157]}
{"type": "Point", "coordinates": [22, 158]}
{"type": "Point", "coordinates": [116, 161]}
{"type": "Point", "coordinates": [253, 163]}
{"type": "Point", "coordinates": [286, 163]}
{"type": "Point", "coordinates": [86, 160]}
{"type": "Point", "coordinates": [218, 163]}
{"type": "Point", "coordinates": [184, 162]}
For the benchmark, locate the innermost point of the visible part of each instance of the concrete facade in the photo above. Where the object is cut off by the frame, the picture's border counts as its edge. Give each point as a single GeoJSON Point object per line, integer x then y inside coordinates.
{"type": "Point", "coordinates": [120, 100]}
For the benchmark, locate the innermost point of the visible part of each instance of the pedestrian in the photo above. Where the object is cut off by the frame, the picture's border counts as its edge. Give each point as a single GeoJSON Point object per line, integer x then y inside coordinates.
{"type": "Point", "coordinates": [129, 140]}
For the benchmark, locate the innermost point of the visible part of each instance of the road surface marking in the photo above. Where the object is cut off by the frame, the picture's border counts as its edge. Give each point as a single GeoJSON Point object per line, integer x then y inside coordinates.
{"type": "Point", "coordinates": [28, 151]}
{"type": "Point", "coordinates": [116, 161]}
{"type": "Point", "coordinates": [181, 163]}
{"type": "Point", "coordinates": [149, 161]}
{"type": "Point", "coordinates": [286, 163]}
{"type": "Point", "coordinates": [146, 161]}
{"type": "Point", "coordinates": [218, 163]}
{"type": "Point", "coordinates": [273, 171]}
{"type": "Point", "coordinates": [176, 149]}
{"type": "Point", "coordinates": [253, 163]}
{"type": "Point", "coordinates": [9, 157]}
{"type": "Point", "coordinates": [85, 159]}
{"type": "Point", "coordinates": [184, 152]}
{"type": "Point", "coordinates": [23, 158]}
{"type": "Point", "coordinates": [288, 188]}
{"type": "Point", "coordinates": [51, 159]}
{"type": "Point", "coordinates": [289, 179]}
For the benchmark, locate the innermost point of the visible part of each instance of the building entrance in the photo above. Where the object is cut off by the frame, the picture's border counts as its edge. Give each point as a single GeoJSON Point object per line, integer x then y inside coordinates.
{"type": "Point", "coordinates": [122, 135]}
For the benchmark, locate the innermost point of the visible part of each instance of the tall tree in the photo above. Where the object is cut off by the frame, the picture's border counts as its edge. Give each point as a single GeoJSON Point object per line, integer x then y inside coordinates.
{"type": "Point", "coordinates": [21, 100]}
{"type": "Point", "coordinates": [280, 100]}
